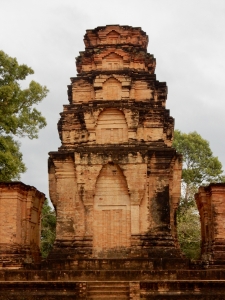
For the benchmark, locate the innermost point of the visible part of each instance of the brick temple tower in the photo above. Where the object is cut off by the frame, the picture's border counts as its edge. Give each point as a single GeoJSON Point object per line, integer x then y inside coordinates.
{"type": "Point", "coordinates": [115, 180]}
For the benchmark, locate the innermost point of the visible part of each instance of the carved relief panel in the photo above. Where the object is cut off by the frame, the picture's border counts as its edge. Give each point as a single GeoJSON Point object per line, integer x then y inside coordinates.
{"type": "Point", "coordinates": [113, 37]}
{"type": "Point", "coordinates": [111, 127]}
{"type": "Point", "coordinates": [115, 87]}
{"type": "Point", "coordinates": [112, 61]}
{"type": "Point", "coordinates": [112, 89]}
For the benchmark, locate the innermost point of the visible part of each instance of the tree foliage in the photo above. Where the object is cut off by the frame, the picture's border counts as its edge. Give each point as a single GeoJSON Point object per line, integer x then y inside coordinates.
{"type": "Point", "coordinates": [200, 167]}
{"type": "Point", "coordinates": [18, 114]}
{"type": "Point", "coordinates": [199, 164]}
{"type": "Point", "coordinates": [48, 225]}
{"type": "Point", "coordinates": [11, 164]}
{"type": "Point", "coordinates": [189, 230]}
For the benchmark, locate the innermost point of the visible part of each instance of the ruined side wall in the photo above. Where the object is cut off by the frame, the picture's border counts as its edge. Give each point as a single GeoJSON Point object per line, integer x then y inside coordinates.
{"type": "Point", "coordinates": [211, 205]}
{"type": "Point", "coordinates": [20, 209]}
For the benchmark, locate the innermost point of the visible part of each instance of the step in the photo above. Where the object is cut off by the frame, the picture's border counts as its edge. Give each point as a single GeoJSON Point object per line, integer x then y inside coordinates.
{"type": "Point", "coordinates": [109, 275]}
{"type": "Point", "coordinates": [108, 290]}
{"type": "Point", "coordinates": [112, 295]}
{"type": "Point", "coordinates": [105, 297]}
{"type": "Point", "coordinates": [117, 264]}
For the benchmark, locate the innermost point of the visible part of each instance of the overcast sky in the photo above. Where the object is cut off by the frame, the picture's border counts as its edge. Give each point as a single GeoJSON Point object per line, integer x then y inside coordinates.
{"type": "Point", "coordinates": [187, 38]}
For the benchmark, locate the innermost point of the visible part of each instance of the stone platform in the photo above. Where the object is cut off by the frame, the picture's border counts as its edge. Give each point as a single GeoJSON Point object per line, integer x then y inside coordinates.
{"type": "Point", "coordinates": [114, 279]}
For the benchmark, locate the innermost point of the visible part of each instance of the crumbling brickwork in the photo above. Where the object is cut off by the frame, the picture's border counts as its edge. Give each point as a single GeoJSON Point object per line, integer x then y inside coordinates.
{"type": "Point", "coordinates": [20, 210]}
{"type": "Point", "coordinates": [115, 180]}
{"type": "Point", "coordinates": [211, 205]}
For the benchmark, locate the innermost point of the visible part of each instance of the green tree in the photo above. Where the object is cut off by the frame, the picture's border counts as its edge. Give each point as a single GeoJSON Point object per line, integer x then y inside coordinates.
{"type": "Point", "coordinates": [199, 164]}
{"type": "Point", "coordinates": [18, 115]}
{"type": "Point", "coordinates": [11, 164]}
{"type": "Point", "coordinates": [48, 225]}
{"type": "Point", "coordinates": [189, 231]}
{"type": "Point", "coordinates": [200, 167]}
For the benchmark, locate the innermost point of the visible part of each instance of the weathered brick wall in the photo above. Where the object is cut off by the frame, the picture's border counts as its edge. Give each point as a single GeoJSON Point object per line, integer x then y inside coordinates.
{"type": "Point", "coordinates": [20, 209]}
{"type": "Point", "coordinates": [211, 205]}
